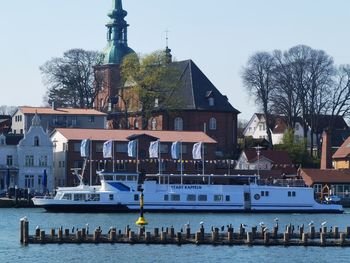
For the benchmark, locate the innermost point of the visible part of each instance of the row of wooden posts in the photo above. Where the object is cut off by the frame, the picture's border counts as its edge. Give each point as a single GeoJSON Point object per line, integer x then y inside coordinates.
{"type": "Point", "coordinates": [170, 236]}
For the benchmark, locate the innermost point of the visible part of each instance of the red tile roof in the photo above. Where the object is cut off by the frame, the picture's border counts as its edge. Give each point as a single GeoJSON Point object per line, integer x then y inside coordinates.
{"type": "Point", "coordinates": [59, 111]}
{"type": "Point", "coordinates": [122, 135]}
{"type": "Point", "coordinates": [343, 151]}
{"type": "Point", "coordinates": [312, 176]}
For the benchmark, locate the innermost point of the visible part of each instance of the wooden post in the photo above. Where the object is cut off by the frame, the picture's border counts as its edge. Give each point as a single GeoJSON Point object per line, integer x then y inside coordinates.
{"type": "Point", "coordinates": [163, 237]}
{"type": "Point", "coordinates": [322, 238]}
{"type": "Point", "coordinates": [26, 232]}
{"type": "Point", "coordinates": [78, 235]}
{"type": "Point", "coordinates": [275, 232]}
{"type": "Point", "coordinates": [37, 232]}
{"type": "Point", "coordinates": [127, 230]}
{"type": "Point", "coordinates": [66, 232]}
{"type": "Point", "coordinates": [60, 234]}
{"type": "Point", "coordinates": [249, 238]}
{"type": "Point", "coordinates": [21, 230]}
{"type": "Point", "coordinates": [336, 232]}
{"type": "Point", "coordinates": [42, 236]}
{"type": "Point", "coordinates": [254, 231]}
{"type": "Point", "coordinates": [179, 237]}
{"type": "Point", "coordinates": [188, 232]}
{"type": "Point", "coordinates": [324, 229]}
{"type": "Point", "coordinates": [96, 235]}
{"type": "Point", "coordinates": [342, 239]}
{"type": "Point", "coordinates": [347, 232]}
{"type": "Point", "coordinates": [214, 236]}
{"type": "Point", "coordinates": [83, 233]}
{"type": "Point", "coordinates": [198, 237]}
{"type": "Point", "coordinates": [131, 235]}
{"type": "Point", "coordinates": [301, 231]}
{"type": "Point", "coordinates": [304, 238]}
{"type": "Point", "coordinates": [113, 235]}
{"type": "Point", "coordinates": [266, 237]}
{"type": "Point", "coordinates": [201, 230]}
{"type": "Point", "coordinates": [230, 235]}
{"type": "Point", "coordinates": [286, 238]}
{"type": "Point", "coordinates": [172, 232]}
{"type": "Point", "coordinates": [312, 232]}
{"type": "Point", "coordinates": [156, 232]}
{"type": "Point", "coordinates": [148, 237]}
{"type": "Point", "coordinates": [241, 231]}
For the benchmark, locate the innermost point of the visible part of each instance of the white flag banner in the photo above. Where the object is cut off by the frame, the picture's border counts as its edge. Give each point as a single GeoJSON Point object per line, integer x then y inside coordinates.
{"type": "Point", "coordinates": [175, 150]}
{"type": "Point", "coordinates": [132, 146]}
{"type": "Point", "coordinates": [154, 149]}
{"type": "Point", "coordinates": [85, 148]}
{"type": "Point", "coordinates": [107, 149]}
{"type": "Point", "coordinates": [197, 151]}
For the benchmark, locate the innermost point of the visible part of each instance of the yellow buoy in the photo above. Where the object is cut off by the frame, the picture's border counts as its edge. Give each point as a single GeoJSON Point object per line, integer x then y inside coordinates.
{"type": "Point", "coordinates": [141, 221]}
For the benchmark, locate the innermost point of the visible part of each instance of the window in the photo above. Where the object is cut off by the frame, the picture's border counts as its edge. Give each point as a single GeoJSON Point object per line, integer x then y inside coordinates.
{"type": "Point", "coordinates": [76, 147]}
{"type": "Point", "coordinates": [93, 197]}
{"type": "Point", "coordinates": [154, 124]}
{"type": "Point", "coordinates": [317, 188]}
{"type": "Point", "coordinates": [191, 197]}
{"type": "Point", "coordinates": [29, 181]}
{"type": "Point", "coordinates": [99, 147]}
{"type": "Point", "coordinates": [261, 127]}
{"type": "Point", "coordinates": [166, 198]}
{"type": "Point", "coordinates": [136, 124]}
{"type": "Point", "coordinates": [291, 193]}
{"type": "Point", "coordinates": [29, 160]}
{"type": "Point", "coordinates": [121, 147]}
{"type": "Point", "coordinates": [211, 101]}
{"type": "Point", "coordinates": [43, 160]}
{"type": "Point", "coordinates": [202, 198]}
{"type": "Point", "coordinates": [218, 198]}
{"type": "Point", "coordinates": [9, 160]}
{"type": "Point", "coordinates": [36, 141]}
{"type": "Point", "coordinates": [136, 197]}
{"type": "Point", "coordinates": [175, 197]}
{"type": "Point", "coordinates": [212, 124]}
{"type": "Point", "coordinates": [67, 197]}
{"type": "Point", "coordinates": [164, 148]}
{"type": "Point", "coordinates": [120, 166]}
{"type": "Point", "coordinates": [111, 197]}
{"type": "Point", "coordinates": [21, 131]}
{"type": "Point", "coordinates": [227, 198]}
{"type": "Point", "coordinates": [178, 124]}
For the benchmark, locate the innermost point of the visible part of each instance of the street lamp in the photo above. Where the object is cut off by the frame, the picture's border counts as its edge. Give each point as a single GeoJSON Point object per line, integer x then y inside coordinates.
{"type": "Point", "coordinates": [258, 148]}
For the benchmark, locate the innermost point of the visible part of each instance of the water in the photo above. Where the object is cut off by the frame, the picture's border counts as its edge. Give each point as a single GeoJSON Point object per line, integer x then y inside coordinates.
{"type": "Point", "coordinates": [12, 251]}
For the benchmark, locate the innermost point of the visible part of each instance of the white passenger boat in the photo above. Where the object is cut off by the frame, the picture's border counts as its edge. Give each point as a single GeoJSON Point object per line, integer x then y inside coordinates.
{"type": "Point", "coordinates": [119, 192]}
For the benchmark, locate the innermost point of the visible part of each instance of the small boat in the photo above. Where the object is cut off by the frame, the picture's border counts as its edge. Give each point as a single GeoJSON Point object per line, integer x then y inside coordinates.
{"type": "Point", "coordinates": [120, 192]}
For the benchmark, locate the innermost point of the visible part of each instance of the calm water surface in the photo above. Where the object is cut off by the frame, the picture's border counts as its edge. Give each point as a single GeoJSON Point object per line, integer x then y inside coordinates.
{"type": "Point", "coordinates": [12, 251]}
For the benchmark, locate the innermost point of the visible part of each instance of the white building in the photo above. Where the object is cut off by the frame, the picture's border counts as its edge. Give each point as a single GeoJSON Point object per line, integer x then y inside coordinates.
{"type": "Point", "coordinates": [32, 157]}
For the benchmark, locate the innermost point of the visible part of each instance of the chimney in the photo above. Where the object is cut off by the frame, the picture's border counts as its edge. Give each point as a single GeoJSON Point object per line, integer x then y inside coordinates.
{"type": "Point", "coordinates": [326, 158]}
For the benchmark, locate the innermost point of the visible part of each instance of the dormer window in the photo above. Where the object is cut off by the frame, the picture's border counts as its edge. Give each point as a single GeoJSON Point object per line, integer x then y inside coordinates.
{"type": "Point", "coordinates": [178, 124]}
{"type": "Point", "coordinates": [211, 101]}
{"type": "Point", "coordinates": [36, 141]}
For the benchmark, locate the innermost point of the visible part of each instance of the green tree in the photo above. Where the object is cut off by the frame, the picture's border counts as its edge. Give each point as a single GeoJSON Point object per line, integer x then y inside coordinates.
{"type": "Point", "coordinates": [150, 81]}
{"type": "Point", "coordinates": [70, 79]}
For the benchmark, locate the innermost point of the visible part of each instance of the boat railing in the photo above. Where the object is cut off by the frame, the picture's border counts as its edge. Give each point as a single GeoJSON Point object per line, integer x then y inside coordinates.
{"type": "Point", "coordinates": [282, 182]}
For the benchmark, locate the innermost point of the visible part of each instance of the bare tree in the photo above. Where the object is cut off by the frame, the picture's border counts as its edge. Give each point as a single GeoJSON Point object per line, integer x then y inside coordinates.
{"type": "Point", "coordinates": [258, 79]}
{"type": "Point", "coordinates": [7, 110]}
{"type": "Point", "coordinates": [70, 79]}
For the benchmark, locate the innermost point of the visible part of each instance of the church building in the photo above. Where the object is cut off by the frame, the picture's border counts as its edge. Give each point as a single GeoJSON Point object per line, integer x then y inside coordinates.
{"type": "Point", "coordinates": [203, 107]}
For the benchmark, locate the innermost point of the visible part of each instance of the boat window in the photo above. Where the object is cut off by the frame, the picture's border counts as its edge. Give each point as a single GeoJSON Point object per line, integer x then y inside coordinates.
{"type": "Point", "coordinates": [191, 197]}
{"type": "Point", "coordinates": [93, 197]}
{"type": "Point", "coordinates": [132, 178]}
{"type": "Point", "coordinates": [136, 197]}
{"type": "Point", "coordinates": [293, 193]}
{"type": "Point", "coordinates": [262, 193]}
{"type": "Point", "coordinates": [227, 198]}
{"type": "Point", "coordinates": [111, 197]}
{"type": "Point", "coordinates": [202, 197]}
{"type": "Point", "coordinates": [67, 197]}
{"type": "Point", "coordinates": [166, 198]}
{"type": "Point", "coordinates": [289, 193]}
{"type": "Point", "coordinates": [175, 197]}
{"type": "Point", "coordinates": [218, 198]}
{"type": "Point", "coordinates": [120, 177]}
{"type": "Point", "coordinates": [266, 193]}
{"type": "Point", "coordinates": [79, 197]}
{"type": "Point", "coordinates": [108, 177]}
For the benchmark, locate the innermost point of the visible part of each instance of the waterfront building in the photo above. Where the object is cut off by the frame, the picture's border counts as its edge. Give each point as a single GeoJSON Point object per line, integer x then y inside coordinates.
{"type": "Point", "coordinates": [52, 118]}
{"type": "Point", "coordinates": [26, 160]}
{"type": "Point", "coordinates": [67, 155]}
{"type": "Point", "coordinates": [202, 108]}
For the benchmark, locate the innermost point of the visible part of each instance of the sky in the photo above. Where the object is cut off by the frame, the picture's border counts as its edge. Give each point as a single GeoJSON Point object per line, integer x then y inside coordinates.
{"type": "Point", "coordinates": [219, 36]}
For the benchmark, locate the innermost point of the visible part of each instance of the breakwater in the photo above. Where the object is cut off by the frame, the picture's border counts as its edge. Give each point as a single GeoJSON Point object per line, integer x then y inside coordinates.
{"type": "Point", "coordinates": [256, 236]}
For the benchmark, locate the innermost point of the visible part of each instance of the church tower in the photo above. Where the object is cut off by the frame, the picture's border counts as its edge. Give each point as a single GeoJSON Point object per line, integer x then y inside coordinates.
{"type": "Point", "coordinates": [107, 75]}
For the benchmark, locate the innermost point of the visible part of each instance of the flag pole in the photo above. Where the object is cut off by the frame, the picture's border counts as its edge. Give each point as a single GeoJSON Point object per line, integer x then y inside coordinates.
{"type": "Point", "coordinates": [181, 170]}
{"type": "Point", "coordinates": [90, 148]}
{"type": "Point", "coordinates": [137, 155]}
{"type": "Point", "coordinates": [159, 159]}
{"type": "Point", "coordinates": [203, 157]}
{"type": "Point", "coordinates": [113, 161]}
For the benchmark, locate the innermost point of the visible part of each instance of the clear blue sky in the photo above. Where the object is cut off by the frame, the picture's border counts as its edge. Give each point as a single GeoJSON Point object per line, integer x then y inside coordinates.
{"type": "Point", "coordinates": [218, 36]}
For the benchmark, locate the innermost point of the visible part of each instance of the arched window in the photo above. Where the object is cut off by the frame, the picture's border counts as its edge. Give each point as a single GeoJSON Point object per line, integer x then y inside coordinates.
{"type": "Point", "coordinates": [36, 141]}
{"type": "Point", "coordinates": [178, 124]}
{"type": "Point", "coordinates": [212, 124]}
{"type": "Point", "coordinates": [154, 124]}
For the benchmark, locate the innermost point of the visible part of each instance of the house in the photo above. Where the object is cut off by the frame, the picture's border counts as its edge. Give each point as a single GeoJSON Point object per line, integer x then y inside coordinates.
{"type": "Point", "coordinates": [52, 118]}
{"type": "Point", "coordinates": [202, 107]}
{"type": "Point", "coordinates": [257, 128]}
{"type": "Point", "coordinates": [67, 154]}
{"type": "Point", "coordinates": [26, 160]}
{"type": "Point", "coordinates": [5, 124]}
{"type": "Point", "coordinates": [265, 160]}
{"type": "Point", "coordinates": [341, 158]}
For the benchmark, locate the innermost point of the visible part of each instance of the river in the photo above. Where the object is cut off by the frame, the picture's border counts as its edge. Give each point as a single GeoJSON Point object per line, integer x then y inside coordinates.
{"type": "Point", "coordinates": [12, 251]}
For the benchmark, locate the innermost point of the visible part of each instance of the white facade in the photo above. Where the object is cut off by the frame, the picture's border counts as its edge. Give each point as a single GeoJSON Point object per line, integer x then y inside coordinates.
{"type": "Point", "coordinates": [33, 156]}
{"type": "Point", "coordinates": [244, 164]}
{"type": "Point", "coordinates": [60, 144]}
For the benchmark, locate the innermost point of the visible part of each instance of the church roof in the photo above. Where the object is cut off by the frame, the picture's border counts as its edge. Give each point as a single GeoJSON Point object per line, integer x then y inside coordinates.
{"type": "Point", "coordinates": [197, 89]}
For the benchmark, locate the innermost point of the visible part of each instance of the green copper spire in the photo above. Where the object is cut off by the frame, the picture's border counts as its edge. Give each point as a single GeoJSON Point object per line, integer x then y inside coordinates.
{"type": "Point", "coordinates": [117, 35]}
